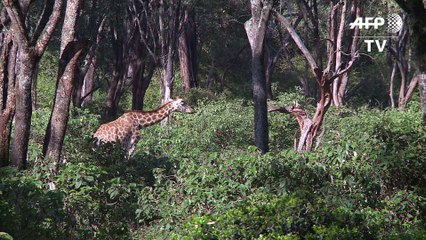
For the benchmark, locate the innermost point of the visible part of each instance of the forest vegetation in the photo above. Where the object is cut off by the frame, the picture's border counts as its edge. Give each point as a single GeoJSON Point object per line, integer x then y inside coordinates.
{"type": "Point", "coordinates": [301, 130]}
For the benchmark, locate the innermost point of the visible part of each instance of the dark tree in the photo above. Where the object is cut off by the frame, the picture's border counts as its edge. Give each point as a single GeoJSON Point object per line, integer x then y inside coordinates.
{"type": "Point", "coordinates": [417, 22]}
{"type": "Point", "coordinates": [7, 90]}
{"type": "Point", "coordinates": [84, 83]}
{"type": "Point", "coordinates": [144, 54]}
{"type": "Point", "coordinates": [256, 28]}
{"type": "Point", "coordinates": [187, 47]}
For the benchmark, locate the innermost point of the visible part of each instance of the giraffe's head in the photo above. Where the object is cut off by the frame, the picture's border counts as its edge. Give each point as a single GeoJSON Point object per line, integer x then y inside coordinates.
{"type": "Point", "coordinates": [179, 105]}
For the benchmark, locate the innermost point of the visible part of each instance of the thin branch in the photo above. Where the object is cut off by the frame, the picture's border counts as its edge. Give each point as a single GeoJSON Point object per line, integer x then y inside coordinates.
{"type": "Point", "coordinates": [47, 10]}
{"type": "Point", "coordinates": [348, 67]}
{"type": "Point", "coordinates": [17, 20]}
{"type": "Point", "coordinates": [49, 28]}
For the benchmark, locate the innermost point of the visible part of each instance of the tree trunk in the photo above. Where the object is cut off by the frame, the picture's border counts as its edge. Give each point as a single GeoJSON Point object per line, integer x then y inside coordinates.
{"type": "Point", "coordinates": [187, 47]}
{"type": "Point", "coordinates": [70, 52]}
{"type": "Point", "coordinates": [26, 64]}
{"type": "Point", "coordinates": [256, 30]}
{"type": "Point", "coordinates": [30, 50]}
{"type": "Point", "coordinates": [169, 39]}
{"type": "Point", "coordinates": [141, 83]}
{"type": "Point", "coordinates": [84, 82]}
{"type": "Point", "coordinates": [417, 21]}
{"type": "Point", "coordinates": [392, 78]}
{"type": "Point", "coordinates": [338, 100]}
{"type": "Point", "coordinates": [309, 127]}
{"type": "Point", "coordinates": [88, 84]}
{"type": "Point", "coordinates": [34, 87]}
{"type": "Point", "coordinates": [77, 89]}
{"type": "Point", "coordinates": [120, 69]}
{"type": "Point", "coordinates": [340, 83]}
{"type": "Point", "coordinates": [7, 94]}
{"type": "Point", "coordinates": [115, 89]}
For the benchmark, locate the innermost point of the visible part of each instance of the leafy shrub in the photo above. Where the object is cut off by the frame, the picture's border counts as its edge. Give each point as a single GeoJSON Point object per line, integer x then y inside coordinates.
{"type": "Point", "coordinates": [200, 177]}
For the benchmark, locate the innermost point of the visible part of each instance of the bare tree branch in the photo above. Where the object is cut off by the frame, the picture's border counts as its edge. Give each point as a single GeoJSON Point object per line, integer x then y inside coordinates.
{"type": "Point", "coordinates": [18, 22]}
{"type": "Point", "coordinates": [286, 24]}
{"type": "Point", "coordinates": [49, 28]}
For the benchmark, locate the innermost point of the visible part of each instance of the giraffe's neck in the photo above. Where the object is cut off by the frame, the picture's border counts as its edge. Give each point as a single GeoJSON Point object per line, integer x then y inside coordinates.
{"type": "Point", "coordinates": [149, 118]}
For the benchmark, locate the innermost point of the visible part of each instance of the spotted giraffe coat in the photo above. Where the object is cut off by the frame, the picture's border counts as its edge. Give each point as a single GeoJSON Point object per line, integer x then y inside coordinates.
{"type": "Point", "coordinates": [126, 128]}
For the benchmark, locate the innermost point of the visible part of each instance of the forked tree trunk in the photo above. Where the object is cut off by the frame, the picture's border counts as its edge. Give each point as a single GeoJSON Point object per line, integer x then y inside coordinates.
{"type": "Point", "coordinates": [256, 30]}
{"type": "Point", "coordinates": [30, 50]}
{"type": "Point", "coordinates": [341, 82]}
{"type": "Point", "coordinates": [406, 89]}
{"type": "Point", "coordinates": [309, 127]}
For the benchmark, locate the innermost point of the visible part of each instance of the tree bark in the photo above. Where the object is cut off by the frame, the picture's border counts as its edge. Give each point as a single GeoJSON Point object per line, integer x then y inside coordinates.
{"type": "Point", "coordinates": [256, 30]}
{"type": "Point", "coordinates": [187, 47]}
{"type": "Point", "coordinates": [30, 50]}
{"type": "Point", "coordinates": [169, 38]}
{"type": "Point", "coordinates": [84, 82]}
{"type": "Point", "coordinates": [392, 78]}
{"type": "Point", "coordinates": [116, 84]}
{"type": "Point", "coordinates": [70, 51]}
{"type": "Point", "coordinates": [7, 94]}
{"type": "Point", "coordinates": [121, 39]}
{"type": "Point", "coordinates": [340, 83]}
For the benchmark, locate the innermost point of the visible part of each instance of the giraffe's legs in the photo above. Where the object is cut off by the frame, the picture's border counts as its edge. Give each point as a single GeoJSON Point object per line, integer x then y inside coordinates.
{"type": "Point", "coordinates": [131, 145]}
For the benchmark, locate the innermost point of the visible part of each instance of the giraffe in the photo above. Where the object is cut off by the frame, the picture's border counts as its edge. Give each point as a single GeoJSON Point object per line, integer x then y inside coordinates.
{"type": "Point", "coordinates": [126, 128]}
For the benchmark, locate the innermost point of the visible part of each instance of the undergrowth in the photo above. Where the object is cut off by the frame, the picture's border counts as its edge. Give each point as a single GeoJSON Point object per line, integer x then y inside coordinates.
{"type": "Point", "coordinates": [201, 178]}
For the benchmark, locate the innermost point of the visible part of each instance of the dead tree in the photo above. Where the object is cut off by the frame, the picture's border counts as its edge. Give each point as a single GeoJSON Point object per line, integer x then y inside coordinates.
{"type": "Point", "coordinates": [309, 127]}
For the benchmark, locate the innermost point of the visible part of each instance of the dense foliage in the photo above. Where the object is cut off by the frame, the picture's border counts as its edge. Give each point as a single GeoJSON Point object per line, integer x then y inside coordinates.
{"type": "Point", "coordinates": [199, 177]}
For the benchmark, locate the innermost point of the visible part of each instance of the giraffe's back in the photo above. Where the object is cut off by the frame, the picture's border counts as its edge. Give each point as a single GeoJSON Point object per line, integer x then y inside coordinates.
{"type": "Point", "coordinates": [115, 131]}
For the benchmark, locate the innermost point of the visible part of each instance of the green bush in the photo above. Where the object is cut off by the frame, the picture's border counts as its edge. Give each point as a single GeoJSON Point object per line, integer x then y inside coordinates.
{"type": "Point", "coordinates": [200, 177]}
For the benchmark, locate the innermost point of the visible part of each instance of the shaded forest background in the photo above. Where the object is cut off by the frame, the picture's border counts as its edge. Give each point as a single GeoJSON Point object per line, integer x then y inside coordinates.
{"type": "Point", "coordinates": [346, 160]}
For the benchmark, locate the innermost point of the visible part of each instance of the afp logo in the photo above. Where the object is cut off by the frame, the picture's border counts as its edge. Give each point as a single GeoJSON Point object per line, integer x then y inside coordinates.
{"type": "Point", "coordinates": [394, 24]}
